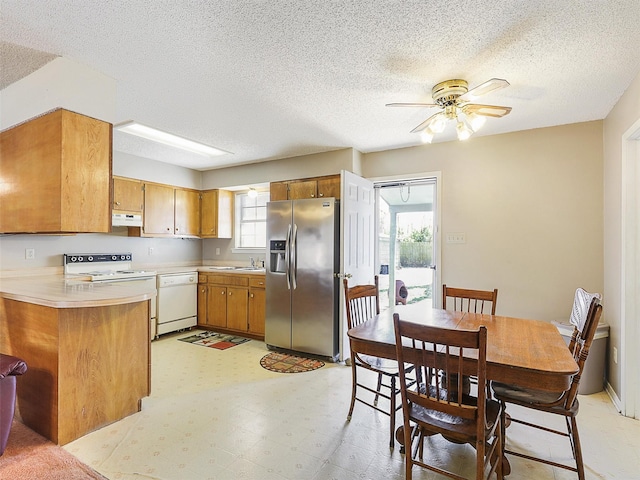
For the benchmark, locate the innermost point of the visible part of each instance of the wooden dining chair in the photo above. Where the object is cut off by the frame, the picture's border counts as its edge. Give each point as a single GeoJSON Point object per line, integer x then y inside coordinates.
{"type": "Point", "coordinates": [466, 300]}
{"type": "Point", "coordinates": [444, 409]}
{"type": "Point", "coordinates": [563, 403]}
{"type": "Point", "coordinates": [363, 302]}
{"type": "Point", "coordinates": [474, 301]}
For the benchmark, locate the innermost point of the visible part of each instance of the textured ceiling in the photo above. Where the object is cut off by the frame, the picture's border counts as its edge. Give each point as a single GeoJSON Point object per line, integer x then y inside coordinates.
{"type": "Point", "coordinates": [268, 79]}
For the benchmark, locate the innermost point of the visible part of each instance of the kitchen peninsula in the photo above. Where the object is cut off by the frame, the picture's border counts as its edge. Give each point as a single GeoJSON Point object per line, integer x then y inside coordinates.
{"type": "Point", "coordinates": [87, 347]}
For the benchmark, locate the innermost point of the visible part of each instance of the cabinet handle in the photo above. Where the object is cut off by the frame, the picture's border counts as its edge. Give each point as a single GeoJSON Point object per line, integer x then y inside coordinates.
{"type": "Point", "coordinates": [168, 229]}
{"type": "Point", "coordinates": [230, 293]}
{"type": "Point", "coordinates": [251, 295]}
{"type": "Point", "coordinates": [222, 292]}
{"type": "Point", "coordinates": [117, 203]}
{"type": "Point", "coordinates": [321, 195]}
{"type": "Point", "coordinates": [313, 195]}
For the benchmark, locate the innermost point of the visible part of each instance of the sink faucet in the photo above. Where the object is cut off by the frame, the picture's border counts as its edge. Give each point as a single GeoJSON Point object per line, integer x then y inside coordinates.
{"type": "Point", "coordinates": [252, 262]}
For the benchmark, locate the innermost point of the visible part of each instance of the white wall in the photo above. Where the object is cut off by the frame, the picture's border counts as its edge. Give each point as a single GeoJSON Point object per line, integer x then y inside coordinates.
{"type": "Point", "coordinates": [620, 119]}
{"type": "Point", "coordinates": [132, 166]}
{"type": "Point", "coordinates": [530, 204]}
{"type": "Point", "coordinates": [60, 83]}
{"type": "Point", "coordinates": [315, 165]}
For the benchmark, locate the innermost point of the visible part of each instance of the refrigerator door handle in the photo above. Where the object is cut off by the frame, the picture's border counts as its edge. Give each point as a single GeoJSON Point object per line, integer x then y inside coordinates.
{"type": "Point", "coordinates": [287, 262]}
{"type": "Point", "coordinates": [294, 256]}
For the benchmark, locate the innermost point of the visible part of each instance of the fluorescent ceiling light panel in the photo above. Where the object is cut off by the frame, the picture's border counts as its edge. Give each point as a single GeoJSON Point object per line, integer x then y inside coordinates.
{"type": "Point", "coordinates": [165, 138]}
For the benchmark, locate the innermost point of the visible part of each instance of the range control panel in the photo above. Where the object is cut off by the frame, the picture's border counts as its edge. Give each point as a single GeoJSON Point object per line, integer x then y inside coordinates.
{"type": "Point", "coordinates": [96, 257]}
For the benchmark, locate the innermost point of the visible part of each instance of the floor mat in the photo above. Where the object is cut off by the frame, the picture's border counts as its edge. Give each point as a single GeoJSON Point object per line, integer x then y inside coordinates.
{"type": "Point", "coordinates": [218, 341]}
{"type": "Point", "coordinates": [285, 363]}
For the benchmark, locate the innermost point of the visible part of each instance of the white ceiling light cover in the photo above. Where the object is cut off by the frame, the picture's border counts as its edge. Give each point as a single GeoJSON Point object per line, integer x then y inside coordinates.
{"type": "Point", "coordinates": [139, 130]}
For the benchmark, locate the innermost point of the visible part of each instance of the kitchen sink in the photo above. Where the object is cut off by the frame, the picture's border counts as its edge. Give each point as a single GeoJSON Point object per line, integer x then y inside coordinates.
{"type": "Point", "coordinates": [254, 269]}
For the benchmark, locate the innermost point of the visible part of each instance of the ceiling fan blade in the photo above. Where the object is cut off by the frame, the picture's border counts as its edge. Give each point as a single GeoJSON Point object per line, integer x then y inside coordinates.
{"type": "Point", "coordinates": [426, 123]}
{"type": "Point", "coordinates": [486, 110]}
{"type": "Point", "coordinates": [427, 105]}
{"type": "Point", "coordinates": [483, 89]}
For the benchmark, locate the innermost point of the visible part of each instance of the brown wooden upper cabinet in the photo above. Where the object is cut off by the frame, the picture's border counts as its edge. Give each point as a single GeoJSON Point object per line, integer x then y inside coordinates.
{"type": "Point", "coordinates": [319, 187]}
{"type": "Point", "coordinates": [56, 175]}
{"type": "Point", "coordinates": [216, 214]}
{"type": "Point", "coordinates": [169, 212]}
{"type": "Point", "coordinates": [128, 195]}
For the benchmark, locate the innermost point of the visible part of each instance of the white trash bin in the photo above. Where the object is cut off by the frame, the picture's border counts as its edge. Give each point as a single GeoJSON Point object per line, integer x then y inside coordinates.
{"type": "Point", "coordinates": [592, 380]}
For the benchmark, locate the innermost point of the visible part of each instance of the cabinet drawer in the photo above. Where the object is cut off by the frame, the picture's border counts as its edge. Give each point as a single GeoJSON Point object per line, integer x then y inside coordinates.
{"type": "Point", "coordinates": [235, 280]}
{"type": "Point", "coordinates": [257, 282]}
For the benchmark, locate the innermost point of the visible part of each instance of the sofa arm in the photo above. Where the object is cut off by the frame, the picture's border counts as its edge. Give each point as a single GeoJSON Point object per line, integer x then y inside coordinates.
{"type": "Point", "coordinates": [10, 365]}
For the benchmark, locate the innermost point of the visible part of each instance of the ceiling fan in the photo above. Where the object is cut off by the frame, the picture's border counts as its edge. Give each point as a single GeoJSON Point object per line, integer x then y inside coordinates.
{"type": "Point", "coordinates": [455, 98]}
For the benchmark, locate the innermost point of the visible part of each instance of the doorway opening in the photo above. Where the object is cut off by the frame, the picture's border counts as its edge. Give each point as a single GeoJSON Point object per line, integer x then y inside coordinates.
{"type": "Point", "coordinates": [406, 245]}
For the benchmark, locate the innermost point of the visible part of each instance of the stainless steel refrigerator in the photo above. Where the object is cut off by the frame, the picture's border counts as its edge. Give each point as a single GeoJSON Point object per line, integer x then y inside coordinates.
{"type": "Point", "coordinates": [302, 289]}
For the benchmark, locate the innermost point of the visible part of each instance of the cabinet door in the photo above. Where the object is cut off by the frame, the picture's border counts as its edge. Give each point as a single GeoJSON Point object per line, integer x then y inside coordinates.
{"type": "Point", "coordinates": [217, 306]}
{"type": "Point", "coordinates": [237, 308]}
{"type": "Point", "coordinates": [187, 213]}
{"type": "Point", "coordinates": [202, 304]}
{"type": "Point", "coordinates": [127, 195]}
{"type": "Point", "coordinates": [159, 203]}
{"type": "Point", "coordinates": [216, 214]}
{"type": "Point", "coordinates": [225, 214]}
{"type": "Point", "coordinates": [257, 307]}
{"type": "Point", "coordinates": [305, 189]}
{"type": "Point", "coordinates": [209, 214]}
{"type": "Point", "coordinates": [56, 175]}
{"type": "Point", "coordinates": [329, 186]}
{"type": "Point", "coordinates": [279, 191]}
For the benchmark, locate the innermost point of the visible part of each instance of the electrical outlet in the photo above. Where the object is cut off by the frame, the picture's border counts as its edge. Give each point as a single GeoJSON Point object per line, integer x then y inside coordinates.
{"type": "Point", "coordinates": [217, 251]}
{"type": "Point", "coordinates": [615, 355]}
{"type": "Point", "coordinates": [456, 237]}
{"type": "Point", "coordinates": [150, 250]}
{"type": "Point", "coordinates": [30, 253]}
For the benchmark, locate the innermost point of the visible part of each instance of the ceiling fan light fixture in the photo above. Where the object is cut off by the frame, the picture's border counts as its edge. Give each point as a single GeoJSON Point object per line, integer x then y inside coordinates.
{"type": "Point", "coordinates": [438, 124]}
{"type": "Point", "coordinates": [476, 121]}
{"type": "Point", "coordinates": [464, 132]}
{"type": "Point", "coordinates": [426, 135]}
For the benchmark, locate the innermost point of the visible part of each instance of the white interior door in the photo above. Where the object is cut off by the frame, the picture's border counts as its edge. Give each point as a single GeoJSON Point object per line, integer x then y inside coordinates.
{"type": "Point", "coordinates": [357, 217]}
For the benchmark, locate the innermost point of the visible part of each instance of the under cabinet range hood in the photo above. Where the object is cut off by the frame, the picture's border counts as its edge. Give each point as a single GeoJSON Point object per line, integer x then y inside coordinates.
{"type": "Point", "coordinates": [126, 220]}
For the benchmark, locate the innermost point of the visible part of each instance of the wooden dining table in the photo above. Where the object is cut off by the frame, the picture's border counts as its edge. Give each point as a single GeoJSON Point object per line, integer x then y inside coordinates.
{"type": "Point", "coordinates": [525, 352]}
{"type": "Point", "coordinates": [529, 353]}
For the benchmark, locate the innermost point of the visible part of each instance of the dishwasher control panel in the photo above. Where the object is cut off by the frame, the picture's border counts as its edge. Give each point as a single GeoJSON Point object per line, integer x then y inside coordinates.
{"type": "Point", "coordinates": [174, 279]}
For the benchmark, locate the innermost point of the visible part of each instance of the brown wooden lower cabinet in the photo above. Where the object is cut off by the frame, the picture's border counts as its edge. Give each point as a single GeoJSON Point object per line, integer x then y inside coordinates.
{"type": "Point", "coordinates": [87, 367]}
{"type": "Point", "coordinates": [232, 304]}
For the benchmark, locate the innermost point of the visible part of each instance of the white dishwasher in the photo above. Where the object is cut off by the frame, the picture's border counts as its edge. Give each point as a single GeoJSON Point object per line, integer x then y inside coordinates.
{"type": "Point", "coordinates": [177, 301]}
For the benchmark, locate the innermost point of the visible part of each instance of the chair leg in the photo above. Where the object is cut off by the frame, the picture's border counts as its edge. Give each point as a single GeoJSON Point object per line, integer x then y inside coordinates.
{"type": "Point", "coordinates": [503, 430]}
{"type": "Point", "coordinates": [575, 443]}
{"type": "Point", "coordinates": [354, 379]}
{"type": "Point", "coordinates": [375, 400]}
{"type": "Point", "coordinates": [392, 412]}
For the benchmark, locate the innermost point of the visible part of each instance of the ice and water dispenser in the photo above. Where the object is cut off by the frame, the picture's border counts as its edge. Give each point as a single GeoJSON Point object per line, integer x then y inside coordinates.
{"type": "Point", "coordinates": [278, 261]}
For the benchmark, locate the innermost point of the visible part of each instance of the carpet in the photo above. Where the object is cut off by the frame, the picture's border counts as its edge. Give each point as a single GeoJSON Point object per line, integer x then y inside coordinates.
{"type": "Point", "coordinates": [30, 456]}
{"type": "Point", "coordinates": [218, 341]}
{"type": "Point", "coordinates": [285, 363]}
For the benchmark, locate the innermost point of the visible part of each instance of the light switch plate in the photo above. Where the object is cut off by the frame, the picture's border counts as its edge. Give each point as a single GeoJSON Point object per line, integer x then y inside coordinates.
{"type": "Point", "coordinates": [456, 237]}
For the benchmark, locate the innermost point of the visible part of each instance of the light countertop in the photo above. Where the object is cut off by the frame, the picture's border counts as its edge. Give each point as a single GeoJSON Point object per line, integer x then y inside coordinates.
{"type": "Point", "coordinates": [58, 291]}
